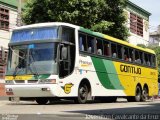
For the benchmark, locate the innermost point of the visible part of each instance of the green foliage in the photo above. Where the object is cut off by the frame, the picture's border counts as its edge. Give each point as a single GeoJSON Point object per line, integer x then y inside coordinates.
{"type": "Point", "coordinates": [104, 16]}
{"type": "Point", "coordinates": [141, 45]}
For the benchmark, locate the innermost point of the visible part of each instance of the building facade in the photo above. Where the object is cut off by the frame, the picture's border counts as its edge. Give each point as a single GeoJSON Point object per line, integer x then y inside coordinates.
{"type": "Point", "coordinates": [154, 39]}
{"type": "Point", "coordinates": [138, 24]}
{"type": "Point", "coordinates": [8, 21]}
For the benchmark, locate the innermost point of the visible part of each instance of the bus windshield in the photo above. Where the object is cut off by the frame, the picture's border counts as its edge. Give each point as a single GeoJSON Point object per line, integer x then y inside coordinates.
{"type": "Point", "coordinates": [38, 58]}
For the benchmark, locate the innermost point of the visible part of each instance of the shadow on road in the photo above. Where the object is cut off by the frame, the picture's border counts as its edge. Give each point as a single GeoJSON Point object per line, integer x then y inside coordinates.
{"type": "Point", "coordinates": [150, 108]}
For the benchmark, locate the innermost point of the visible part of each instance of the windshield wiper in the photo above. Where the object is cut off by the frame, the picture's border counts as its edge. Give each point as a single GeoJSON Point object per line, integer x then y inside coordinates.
{"type": "Point", "coordinates": [29, 65]}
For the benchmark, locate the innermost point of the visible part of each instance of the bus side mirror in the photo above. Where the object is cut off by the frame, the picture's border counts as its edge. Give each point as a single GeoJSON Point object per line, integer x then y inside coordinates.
{"type": "Point", "coordinates": [64, 53]}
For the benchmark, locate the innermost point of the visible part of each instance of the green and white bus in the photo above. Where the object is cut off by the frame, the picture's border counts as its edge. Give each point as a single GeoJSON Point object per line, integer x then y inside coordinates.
{"type": "Point", "coordinates": [56, 60]}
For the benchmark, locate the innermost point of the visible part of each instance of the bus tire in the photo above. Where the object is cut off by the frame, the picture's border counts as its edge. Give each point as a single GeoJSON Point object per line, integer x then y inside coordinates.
{"type": "Point", "coordinates": [82, 94]}
{"type": "Point", "coordinates": [144, 95]}
{"type": "Point", "coordinates": [138, 94]}
{"type": "Point", "coordinates": [137, 97]}
{"type": "Point", "coordinates": [42, 101]}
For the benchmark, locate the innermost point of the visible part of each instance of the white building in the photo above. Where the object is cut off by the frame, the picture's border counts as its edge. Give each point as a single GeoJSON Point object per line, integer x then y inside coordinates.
{"type": "Point", "coordinates": [155, 37]}
{"type": "Point", "coordinates": [8, 20]}
{"type": "Point", "coordinates": [138, 24]}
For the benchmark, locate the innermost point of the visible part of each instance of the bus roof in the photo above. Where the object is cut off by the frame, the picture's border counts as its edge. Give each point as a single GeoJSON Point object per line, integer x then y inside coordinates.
{"type": "Point", "coordinates": [49, 24]}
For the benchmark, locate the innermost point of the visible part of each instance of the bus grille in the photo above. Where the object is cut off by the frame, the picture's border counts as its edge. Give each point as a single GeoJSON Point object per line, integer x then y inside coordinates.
{"type": "Point", "coordinates": [32, 81]}
{"type": "Point", "coordinates": [25, 81]}
{"type": "Point", "coordinates": [19, 81]}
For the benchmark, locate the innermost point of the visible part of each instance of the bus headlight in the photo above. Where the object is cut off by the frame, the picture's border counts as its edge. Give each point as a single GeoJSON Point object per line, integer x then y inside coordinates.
{"type": "Point", "coordinates": [47, 81]}
{"type": "Point", "coordinates": [8, 82]}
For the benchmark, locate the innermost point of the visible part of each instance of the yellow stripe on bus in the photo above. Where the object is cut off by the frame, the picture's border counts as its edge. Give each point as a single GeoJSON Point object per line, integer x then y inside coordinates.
{"type": "Point", "coordinates": [20, 77]}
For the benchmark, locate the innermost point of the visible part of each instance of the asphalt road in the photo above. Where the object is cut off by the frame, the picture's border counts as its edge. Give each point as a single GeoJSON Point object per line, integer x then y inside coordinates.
{"type": "Point", "coordinates": [67, 110]}
{"type": "Point", "coordinates": [3, 98]}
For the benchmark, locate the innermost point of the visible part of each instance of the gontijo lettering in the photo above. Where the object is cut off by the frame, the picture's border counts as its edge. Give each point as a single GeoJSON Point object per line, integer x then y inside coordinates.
{"type": "Point", "coordinates": [130, 69]}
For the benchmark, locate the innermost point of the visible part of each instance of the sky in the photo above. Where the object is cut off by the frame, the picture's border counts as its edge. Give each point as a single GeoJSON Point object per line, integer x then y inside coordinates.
{"type": "Point", "coordinates": [152, 6]}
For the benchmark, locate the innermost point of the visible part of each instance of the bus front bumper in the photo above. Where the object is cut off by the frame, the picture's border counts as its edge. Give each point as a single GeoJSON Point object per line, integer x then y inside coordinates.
{"type": "Point", "coordinates": [37, 90]}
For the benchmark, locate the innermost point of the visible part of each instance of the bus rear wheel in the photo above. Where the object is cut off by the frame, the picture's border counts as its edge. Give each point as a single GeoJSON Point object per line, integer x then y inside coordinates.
{"type": "Point", "coordinates": [82, 94]}
{"type": "Point", "coordinates": [42, 101]}
{"type": "Point", "coordinates": [137, 97]}
{"type": "Point", "coordinates": [144, 95]}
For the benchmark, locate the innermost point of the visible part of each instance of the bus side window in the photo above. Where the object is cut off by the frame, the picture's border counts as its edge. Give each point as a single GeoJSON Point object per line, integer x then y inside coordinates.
{"type": "Point", "coordinates": [114, 50]}
{"type": "Point", "coordinates": [131, 52]}
{"type": "Point", "coordinates": [141, 57]}
{"type": "Point", "coordinates": [99, 45]}
{"type": "Point", "coordinates": [120, 51]}
{"type": "Point", "coordinates": [106, 48]}
{"type": "Point", "coordinates": [149, 60]}
{"type": "Point", "coordinates": [90, 44]}
{"type": "Point", "coordinates": [126, 54]}
{"type": "Point", "coordinates": [82, 42]}
{"type": "Point", "coordinates": [145, 59]}
{"type": "Point", "coordinates": [137, 57]}
{"type": "Point", "coordinates": [153, 61]}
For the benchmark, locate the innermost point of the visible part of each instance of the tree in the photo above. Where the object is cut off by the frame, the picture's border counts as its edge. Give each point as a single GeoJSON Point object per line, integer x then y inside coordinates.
{"type": "Point", "coordinates": [104, 16]}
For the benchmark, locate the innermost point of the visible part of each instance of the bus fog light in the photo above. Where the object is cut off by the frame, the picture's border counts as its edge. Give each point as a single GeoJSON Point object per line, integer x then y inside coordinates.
{"type": "Point", "coordinates": [9, 90]}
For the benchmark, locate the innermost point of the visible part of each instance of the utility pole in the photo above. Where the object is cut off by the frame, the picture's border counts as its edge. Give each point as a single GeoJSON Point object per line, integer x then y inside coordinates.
{"type": "Point", "coordinates": [19, 21]}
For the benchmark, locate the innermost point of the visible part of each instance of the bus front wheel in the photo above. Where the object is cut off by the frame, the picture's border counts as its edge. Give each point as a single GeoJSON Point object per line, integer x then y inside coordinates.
{"type": "Point", "coordinates": [82, 94]}
{"type": "Point", "coordinates": [42, 101]}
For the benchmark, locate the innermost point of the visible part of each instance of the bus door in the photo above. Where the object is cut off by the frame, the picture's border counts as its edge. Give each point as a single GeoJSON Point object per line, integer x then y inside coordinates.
{"type": "Point", "coordinates": [64, 62]}
{"type": "Point", "coordinates": [67, 52]}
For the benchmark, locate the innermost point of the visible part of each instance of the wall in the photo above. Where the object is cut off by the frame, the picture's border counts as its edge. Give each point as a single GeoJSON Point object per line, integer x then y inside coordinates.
{"type": "Point", "coordinates": [5, 35]}
{"type": "Point", "coordinates": [140, 12]}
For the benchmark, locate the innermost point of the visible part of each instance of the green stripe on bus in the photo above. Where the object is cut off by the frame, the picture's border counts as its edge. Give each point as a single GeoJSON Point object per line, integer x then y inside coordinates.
{"type": "Point", "coordinates": [91, 32]}
{"type": "Point", "coordinates": [106, 73]}
{"type": "Point", "coordinates": [112, 74]}
{"type": "Point", "coordinates": [101, 73]}
{"type": "Point", "coordinates": [44, 76]}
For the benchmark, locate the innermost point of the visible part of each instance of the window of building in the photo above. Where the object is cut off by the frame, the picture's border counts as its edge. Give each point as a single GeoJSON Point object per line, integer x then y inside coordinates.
{"type": "Point", "coordinates": [136, 24]}
{"type": "Point", "coordinates": [4, 19]}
